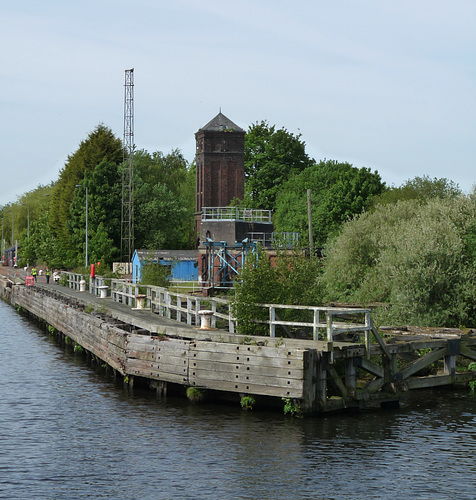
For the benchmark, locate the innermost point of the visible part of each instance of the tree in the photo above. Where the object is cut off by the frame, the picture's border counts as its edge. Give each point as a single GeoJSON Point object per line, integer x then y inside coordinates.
{"type": "Point", "coordinates": [104, 215]}
{"type": "Point", "coordinates": [289, 279]}
{"type": "Point", "coordinates": [338, 192]}
{"type": "Point", "coordinates": [156, 274]}
{"type": "Point", "coordinates": [417, 258]}
{"type": "Point", "coordinates": [271, 156]}
{"type": "Point", "coordinates": [101, 145]}
{"type": "Point", "coordinates": [164, 200]}
{"type": "Point", "coordinates": [419, 188]}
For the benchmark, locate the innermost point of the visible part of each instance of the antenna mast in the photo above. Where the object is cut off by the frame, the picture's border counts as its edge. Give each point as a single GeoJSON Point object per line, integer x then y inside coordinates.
{"type": "Point", "coordinates": [127, 212]}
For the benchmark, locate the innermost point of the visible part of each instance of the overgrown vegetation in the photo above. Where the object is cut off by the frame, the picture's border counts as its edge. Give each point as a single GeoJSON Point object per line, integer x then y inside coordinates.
{"type": "Point", "coordinates": [154, 273]}
{"type": "Point", "coordinates": [416, 257]}
{"type": "Point", "coordinates": [290, 278]}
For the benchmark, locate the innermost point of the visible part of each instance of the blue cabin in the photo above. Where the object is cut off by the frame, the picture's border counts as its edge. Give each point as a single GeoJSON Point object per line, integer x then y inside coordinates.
{"type": "Point", "coordinates": [183, 263]}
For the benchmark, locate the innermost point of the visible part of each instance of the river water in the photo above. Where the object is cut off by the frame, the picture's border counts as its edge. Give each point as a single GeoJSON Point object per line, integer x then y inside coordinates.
{"type": "Point", "coordinates": [67, 431]}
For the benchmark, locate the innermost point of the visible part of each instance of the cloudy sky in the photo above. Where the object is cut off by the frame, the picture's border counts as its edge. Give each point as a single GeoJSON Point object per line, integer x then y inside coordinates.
{"type": "Point", "coordinates": [389, 85]}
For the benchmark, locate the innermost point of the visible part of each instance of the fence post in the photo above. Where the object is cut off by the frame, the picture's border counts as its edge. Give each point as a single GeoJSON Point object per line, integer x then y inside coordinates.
{"type": "Point", "coordinates": [213, 318]}
{"type": "Point", "coordinates": [330, 336]}
{"type": "Point", "coordinates": [315, 329]}
{"type": "Point", "coordinates": [368, 327]}
{"type": "Point", "coordinates": [189, 311]}
{"type": "Point", "coordinates": [272, 318]}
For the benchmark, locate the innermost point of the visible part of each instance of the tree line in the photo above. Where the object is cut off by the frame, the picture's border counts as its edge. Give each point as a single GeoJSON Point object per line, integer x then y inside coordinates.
{"type": "Point", "coordinates": [410, 247]}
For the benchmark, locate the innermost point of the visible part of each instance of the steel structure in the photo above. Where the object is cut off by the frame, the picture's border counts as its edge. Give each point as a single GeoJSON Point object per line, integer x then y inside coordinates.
{"type": "Point", "coordinates": [223, 262]}
{"type": "Point", "coordinates": [127, 212]}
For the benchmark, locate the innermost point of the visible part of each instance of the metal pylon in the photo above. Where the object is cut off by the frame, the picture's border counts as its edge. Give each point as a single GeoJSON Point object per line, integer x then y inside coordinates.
{"type": "Point", "coordinates": [127, 211]}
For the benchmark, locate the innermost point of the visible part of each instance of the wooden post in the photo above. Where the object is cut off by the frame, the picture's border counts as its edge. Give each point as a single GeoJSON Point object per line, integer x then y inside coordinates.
{"type": "Point", "coordinates": [330, 336]}
{"type": "Point", "coordinates": [315, 329]}
{"type": "Point", "coordinates": [310, 401]}
{"type": "Point", "coordinates": [368, 325]}
{"type": "Point", "coordinates": [272, 319]}
{"type": "Point", "coordinates": [189, 311]}
{"type": "Point", "coordinates": [321, 379]}
{"type": "Point", "coordinates": [350, 375]}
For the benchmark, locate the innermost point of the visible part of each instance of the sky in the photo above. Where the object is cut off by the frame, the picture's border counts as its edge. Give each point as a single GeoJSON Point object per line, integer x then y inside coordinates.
{"type": "Point", "coordinates": [388, 85]}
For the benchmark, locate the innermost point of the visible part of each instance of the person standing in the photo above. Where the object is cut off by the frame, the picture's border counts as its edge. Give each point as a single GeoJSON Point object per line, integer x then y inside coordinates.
{"type": "Point", "coordinates": [47, 274]}
{"type": "Point", "coordinates": [34, 273]}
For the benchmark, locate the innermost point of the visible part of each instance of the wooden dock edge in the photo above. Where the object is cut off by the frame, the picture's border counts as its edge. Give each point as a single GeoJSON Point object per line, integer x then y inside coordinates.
{"type": "Point", "coordinates": [316, 378]}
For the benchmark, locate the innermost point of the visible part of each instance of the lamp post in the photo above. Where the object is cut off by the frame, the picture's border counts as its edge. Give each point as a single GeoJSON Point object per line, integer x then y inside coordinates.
{"type": "Point", "coordinates": [28, 220]}
{"type": "Point", "coordinates": [27, 229]}
{"type": "Point", "coordinates": [86, 187]}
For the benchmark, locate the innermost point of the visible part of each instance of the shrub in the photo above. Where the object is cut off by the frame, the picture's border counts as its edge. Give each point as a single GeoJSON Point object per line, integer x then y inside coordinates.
{"type": "Point", "coordinates": [417, 258]}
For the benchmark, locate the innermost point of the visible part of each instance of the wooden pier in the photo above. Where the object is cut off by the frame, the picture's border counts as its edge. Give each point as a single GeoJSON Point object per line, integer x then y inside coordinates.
{"type": "Point", "coordinates": [317, 375]}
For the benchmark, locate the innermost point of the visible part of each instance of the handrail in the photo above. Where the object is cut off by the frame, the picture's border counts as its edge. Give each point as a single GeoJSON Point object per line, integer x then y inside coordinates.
{"type": "Point", "coordinates": [236, 213]}
{"type": "Point", "coordinates": [184, 307]}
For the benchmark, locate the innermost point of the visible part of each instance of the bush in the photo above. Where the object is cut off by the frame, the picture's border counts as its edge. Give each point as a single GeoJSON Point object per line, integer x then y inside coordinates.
{"type": "Point", "coordinates": [417, 258]}
{"type": "Point", "coordinates": [155, 274]}
{"type": "Point", "coordinates": [289, 279]}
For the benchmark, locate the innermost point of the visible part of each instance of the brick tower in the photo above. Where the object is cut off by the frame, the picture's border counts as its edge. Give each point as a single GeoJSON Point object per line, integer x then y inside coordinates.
{"type": "Point", "coordinates": [220, 163]}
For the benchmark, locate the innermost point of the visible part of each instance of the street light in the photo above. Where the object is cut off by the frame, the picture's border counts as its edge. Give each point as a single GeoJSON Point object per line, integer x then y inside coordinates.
{"type": "Point", "coordinates": [86, 187]}
{"type": "Point", "coordinates": [28, 220]}
{"type": "Point", "coordinates": [27, 230]}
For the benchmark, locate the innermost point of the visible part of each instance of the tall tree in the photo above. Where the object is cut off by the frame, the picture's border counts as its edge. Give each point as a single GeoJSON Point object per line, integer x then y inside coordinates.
{"type": "Point", "coordinates": [338, 192]}
{"type": "Point", "coordinates": [271, 157]}
{"type": "Point", "coordinates": [163, 200]}
{"type": "Point", "coordinates": [101, 145]}
{"type": "Point", "coordinates": [104, 213]}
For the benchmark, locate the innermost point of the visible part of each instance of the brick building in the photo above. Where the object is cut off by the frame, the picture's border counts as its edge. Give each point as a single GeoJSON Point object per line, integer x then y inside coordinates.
{"type": "Point", "coordinates": [220, 161]}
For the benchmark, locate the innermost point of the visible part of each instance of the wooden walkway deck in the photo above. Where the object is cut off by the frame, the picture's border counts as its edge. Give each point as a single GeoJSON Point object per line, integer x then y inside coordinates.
{"type": "Point", "coordinates": [318, 376]}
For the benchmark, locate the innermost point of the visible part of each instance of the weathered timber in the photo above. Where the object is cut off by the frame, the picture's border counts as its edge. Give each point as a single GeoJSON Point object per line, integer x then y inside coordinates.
{"type": "Point", "coordinates": [320, 375]}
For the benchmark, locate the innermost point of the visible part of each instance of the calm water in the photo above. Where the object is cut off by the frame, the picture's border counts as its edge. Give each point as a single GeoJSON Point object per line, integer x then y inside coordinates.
{"type": "Point", "coordinates": [69, 432]}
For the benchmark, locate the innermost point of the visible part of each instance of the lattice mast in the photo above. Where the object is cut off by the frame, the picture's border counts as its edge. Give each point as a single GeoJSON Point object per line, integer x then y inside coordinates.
{"type": "Point", "coordinates": [127, 212]}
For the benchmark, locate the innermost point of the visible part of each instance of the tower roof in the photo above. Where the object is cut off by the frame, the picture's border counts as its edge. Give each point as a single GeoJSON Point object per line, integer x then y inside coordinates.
{"type": "Point", "coordinates": [221, 122]}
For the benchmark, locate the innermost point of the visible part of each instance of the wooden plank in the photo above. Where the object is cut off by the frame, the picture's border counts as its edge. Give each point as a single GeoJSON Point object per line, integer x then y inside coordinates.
{"type": "Point", "coordinates": [246, 360]}
{"type": "Point", "coordinates": [423, 362]}
{"type": "Point", "coordinates": [212, 375]}
{"type": "Point", "coordinates": [250, 350]}
{"type": "Point", "coordinates": [439, 380]}
{"type": "Point", "coordinates": [336, 379]}
{"type": "Point", "coordinates": [278, 371]}
{"type": "Point", "coordinates": [467, 352]}
{"type": "Point", "coordinates": [246, 388]}
{"type": "Point", "coordinates": [370, 367]}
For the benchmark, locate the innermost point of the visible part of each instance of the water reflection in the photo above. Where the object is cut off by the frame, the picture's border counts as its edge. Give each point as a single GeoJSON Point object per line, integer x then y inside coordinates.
{"type": "Point", "coordinates": [69, 432]}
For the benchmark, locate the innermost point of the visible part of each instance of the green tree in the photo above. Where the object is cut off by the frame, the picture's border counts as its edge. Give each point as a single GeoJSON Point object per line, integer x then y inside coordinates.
{"type": "Point", "coordinates": [289, 278]}
{"type": "Point", "coordinates": [101, 145]}
{"type": "Point", "coordinates": [338, 192]}
{"type": "Point", "coordinates": [271, 156]}
{"type": "Point", "coordinates": [155, 274]}
{"type": "Point", "coordinates": [417, 258]}
{"type": "Point", "coordinates": [419, 188]}
{"type": "Point", "coordinates": [164, 200]}
{"type": "Point", "coordinates": [104, 214]}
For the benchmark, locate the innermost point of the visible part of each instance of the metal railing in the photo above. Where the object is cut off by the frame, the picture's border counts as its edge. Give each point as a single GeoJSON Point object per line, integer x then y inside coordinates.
{"type": "Point", "coordinates": [274, 239]}
{"type": "Point", "coordinates": [236, 213]}
{"type": "Point", "coordinates": [184, 307]}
